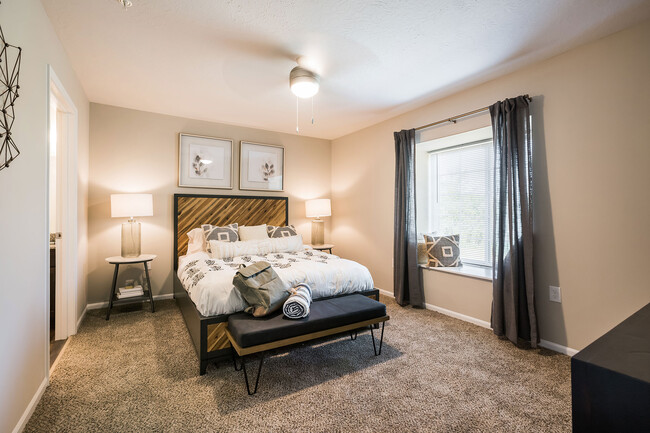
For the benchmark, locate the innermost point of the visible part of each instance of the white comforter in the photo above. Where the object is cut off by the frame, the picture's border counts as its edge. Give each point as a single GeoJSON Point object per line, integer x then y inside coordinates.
{"type": "Point", "coordinates": [209, 281]}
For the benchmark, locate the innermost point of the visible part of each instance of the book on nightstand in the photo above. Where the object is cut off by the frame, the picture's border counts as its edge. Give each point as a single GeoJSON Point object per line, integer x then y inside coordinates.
{"type": "Point", "coordinates": [123, 292]}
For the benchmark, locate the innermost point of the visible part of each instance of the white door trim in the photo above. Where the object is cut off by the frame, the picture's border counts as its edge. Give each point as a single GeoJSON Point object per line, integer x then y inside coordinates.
{"type": "Point", "coordinates": [67, 278]}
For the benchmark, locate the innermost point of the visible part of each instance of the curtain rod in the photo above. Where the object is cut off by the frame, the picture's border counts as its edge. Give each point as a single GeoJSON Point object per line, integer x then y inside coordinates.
{"type": "Point", "coordinates": [453, 119]}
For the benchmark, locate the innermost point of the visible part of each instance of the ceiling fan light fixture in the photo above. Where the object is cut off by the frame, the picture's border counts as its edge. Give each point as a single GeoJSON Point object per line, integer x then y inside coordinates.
{"type": "Point", "coordinates": [125, 3]}
{"type": "Point", "coordinates": [303, 82]}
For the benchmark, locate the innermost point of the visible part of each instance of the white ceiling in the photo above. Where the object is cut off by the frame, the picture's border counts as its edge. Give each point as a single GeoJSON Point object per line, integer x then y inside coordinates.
{"type": "Point", "coordinates": [229, 61]}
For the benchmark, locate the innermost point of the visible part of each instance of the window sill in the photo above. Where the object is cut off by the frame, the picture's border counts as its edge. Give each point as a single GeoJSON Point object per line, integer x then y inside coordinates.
{"type": "Point", "coordinates": [471, 271]}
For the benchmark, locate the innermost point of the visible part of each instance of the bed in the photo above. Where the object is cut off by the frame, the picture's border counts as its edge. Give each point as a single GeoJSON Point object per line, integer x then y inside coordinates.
{"type": "Point", "coordinates": [206, 308]}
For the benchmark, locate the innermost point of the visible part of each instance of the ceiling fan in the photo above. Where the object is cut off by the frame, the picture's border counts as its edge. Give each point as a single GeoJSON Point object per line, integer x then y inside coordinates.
{"type": "Point", "coordinates": [125, 3]}
{"type": "Point", "coordinates": [304, 83]}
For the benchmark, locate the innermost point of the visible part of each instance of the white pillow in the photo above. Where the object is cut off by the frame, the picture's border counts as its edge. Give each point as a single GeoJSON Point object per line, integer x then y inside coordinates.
{"type": "Point", "coordinates": [249, 233]}
{"type": "Point", "coordinates": [287, 244]}
{"type": "Point", "coordinates": [226, 250]}
{"type": "Point", "coordinates": [196, 243]}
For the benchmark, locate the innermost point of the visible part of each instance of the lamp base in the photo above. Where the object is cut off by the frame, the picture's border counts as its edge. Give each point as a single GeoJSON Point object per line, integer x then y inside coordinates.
{"type": "Point", "coordinates": [317, 232]}
{"type": "Point", "coordinates": [131, 239]}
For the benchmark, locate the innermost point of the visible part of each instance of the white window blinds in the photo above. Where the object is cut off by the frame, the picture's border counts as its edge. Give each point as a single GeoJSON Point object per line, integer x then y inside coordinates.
{"type": "Point", "coordinates": [460, 198]}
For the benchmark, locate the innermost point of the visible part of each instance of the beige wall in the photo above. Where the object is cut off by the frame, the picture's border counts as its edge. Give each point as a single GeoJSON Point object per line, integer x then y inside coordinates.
{"type": "Point", "coordinates": [468, 296]}
{"type": "Point", "coordinates": [592, 207]}
{"type": "Point", "coordinates": [24, 227]}
{"type": "Point", "coordinates": [135, 151]}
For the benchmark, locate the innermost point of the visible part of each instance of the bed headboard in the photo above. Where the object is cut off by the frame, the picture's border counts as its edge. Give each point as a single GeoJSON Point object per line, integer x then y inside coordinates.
{"type": "Point", "coordinates": [192, 210]}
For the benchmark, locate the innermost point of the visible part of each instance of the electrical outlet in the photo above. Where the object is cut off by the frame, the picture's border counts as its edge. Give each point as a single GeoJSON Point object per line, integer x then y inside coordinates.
{"type": "Point", "coordinates": [554, 294]}
{"type": "Point", "coordinates": [149, 266]}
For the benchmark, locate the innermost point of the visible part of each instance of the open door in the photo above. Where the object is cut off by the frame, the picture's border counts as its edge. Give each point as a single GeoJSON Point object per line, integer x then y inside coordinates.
{"type": "Point", "coordinates": [62, 204]}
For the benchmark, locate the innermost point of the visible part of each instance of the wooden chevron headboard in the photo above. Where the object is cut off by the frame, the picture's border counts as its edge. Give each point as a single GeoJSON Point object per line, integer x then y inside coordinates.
{"type": "Point", "coordinates": [192, 210]}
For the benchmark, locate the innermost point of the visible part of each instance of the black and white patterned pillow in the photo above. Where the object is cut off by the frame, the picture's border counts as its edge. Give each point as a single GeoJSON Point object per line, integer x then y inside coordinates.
{"type": "Point", "coordinates": [443, 251]}
{"type": "Point", "coordinates": [281, 232]}
{"type": "Point", "coordinates": [228, 233]}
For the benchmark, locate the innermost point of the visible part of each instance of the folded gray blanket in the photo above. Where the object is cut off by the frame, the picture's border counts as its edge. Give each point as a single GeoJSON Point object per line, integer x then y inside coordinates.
{"type": "Point", "coordinates": [297, 306]}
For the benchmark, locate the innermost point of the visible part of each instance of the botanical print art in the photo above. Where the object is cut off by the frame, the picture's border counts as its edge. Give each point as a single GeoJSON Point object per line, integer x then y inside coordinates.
{"type": "Point", "coordinates": [262, 166]}
{"type": "Point", "coordinates": [206, 162]}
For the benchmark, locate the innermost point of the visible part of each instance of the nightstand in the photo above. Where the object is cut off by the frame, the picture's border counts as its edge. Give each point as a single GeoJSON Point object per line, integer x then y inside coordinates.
{"type": "Point", "coordinates": [323, 247]}
{"type": "Point", "coordinates": [147, 296]}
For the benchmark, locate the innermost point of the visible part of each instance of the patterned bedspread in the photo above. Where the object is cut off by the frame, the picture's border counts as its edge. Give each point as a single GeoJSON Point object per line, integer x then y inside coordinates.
{"type": "Point", "coordinates": [209, 281]}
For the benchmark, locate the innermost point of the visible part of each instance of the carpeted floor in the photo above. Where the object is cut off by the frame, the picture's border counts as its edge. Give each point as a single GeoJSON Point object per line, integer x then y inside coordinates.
{"type": "Point", "coordinates": [138, 372]}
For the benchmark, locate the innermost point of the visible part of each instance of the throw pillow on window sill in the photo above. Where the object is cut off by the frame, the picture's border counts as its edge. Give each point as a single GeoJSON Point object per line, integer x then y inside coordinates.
{"type": "Point", "coordinates": [443, 251]}
{"type": "Point", "coordinates": [423, 257]}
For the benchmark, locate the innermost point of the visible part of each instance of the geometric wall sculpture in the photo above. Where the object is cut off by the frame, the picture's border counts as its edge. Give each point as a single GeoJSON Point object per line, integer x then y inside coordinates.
{"type": "Point", "coordinates": [9, 75]}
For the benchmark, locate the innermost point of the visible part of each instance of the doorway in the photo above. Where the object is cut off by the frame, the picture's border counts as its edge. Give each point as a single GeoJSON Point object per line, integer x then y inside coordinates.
{"type": "Point", "coordinates": [62, 218]}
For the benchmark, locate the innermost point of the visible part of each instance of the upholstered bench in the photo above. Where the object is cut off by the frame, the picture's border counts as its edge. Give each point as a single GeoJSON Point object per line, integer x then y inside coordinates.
{"type": "Point", "coordinates": [250, 335]}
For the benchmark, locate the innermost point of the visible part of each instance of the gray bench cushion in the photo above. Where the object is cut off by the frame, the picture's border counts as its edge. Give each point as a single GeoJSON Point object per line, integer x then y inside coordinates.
{"type": "Point", "coordinates": [325, 314]}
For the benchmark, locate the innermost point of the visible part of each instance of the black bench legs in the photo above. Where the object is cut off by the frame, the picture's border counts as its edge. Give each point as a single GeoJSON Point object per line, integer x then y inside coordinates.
{"type": "Point", "coordinates": [353, 336]}
{"type": "Point", "coordinates": [242, 359]}
{"type": "Point", "coordinates": [242, 366]}
{"type": "Point", "coordinates": [381, 339]}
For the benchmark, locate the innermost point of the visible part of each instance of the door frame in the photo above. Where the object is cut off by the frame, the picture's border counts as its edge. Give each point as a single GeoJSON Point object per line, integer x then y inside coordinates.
{"type": "Point", "coordinates": [67, 247]}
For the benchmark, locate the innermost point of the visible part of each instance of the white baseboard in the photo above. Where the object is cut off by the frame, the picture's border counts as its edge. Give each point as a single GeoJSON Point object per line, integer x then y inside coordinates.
{"type": "Point", "coordinates": [446, 312]}
{"type": "Point", "coordinates": [81, 318]}
{"type": "Point", "coordinates": [482, 323]}
{"type": "Point", "coordinates": [386, 293]}
{"type": "Point", "coordinates": [98, 305]}
{"type": "Point", "coordinates": [455, 315]}
{"type": "Point", "coordinates": [22, 422]}
{"type": "Point", "coordinates": [58, 358]}
{"type": "Point", "coordinates": [557, 347]}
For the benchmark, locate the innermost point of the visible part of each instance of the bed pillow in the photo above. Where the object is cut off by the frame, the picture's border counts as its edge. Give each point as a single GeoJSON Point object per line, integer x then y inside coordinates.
{"type": "Point", "coordinates": [287, 244]}
{"type": "Point", "coordinates": [249, 233]}
{"type": "Point", "coordinates": [228, 233]}
{"type": "Point", "coordinates": [255, 247]}
{"type": "Point", "coordinates": [280, 232]}
{"type": "Point", "coordinates": [196, 244]}
{"type": "Point", "coordinates": [227, 250]}
{"type": "Point", "coordinates": [443, 251]}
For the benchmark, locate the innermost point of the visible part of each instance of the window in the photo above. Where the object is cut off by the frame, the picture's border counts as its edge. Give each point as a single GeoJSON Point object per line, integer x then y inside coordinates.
{"type": "Point", "coordinates": [455, 174]}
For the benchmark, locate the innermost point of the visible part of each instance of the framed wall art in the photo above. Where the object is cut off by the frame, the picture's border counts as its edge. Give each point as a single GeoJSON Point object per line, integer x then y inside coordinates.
{"type": "Point", "coordinates": [261, 166]}
{"type": "Point", "coordinates": [205, 162]}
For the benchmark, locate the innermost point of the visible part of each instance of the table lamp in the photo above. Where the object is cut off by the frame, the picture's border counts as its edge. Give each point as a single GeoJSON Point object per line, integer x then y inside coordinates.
{"type": "Point", "coordinates": [318, 208]}
{"type": "Point", "coordinates": [131, 206]}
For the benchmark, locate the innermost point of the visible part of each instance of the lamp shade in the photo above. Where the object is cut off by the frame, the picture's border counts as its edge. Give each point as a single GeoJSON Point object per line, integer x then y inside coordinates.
{"type": "Point", "coordinates": [131, 205]}
{"type": "Point", "coordinates": [318, 208]}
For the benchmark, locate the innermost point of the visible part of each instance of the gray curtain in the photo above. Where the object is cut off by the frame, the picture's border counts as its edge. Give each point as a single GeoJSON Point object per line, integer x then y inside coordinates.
{"type": "Point", "coordinates": [513, 304]}
{"type": "Point", "coordinates": [407, 287]}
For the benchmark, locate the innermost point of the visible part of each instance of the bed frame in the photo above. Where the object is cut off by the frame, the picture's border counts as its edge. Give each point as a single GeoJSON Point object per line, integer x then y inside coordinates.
{"type": "Point", "coordinates": [208, 333]}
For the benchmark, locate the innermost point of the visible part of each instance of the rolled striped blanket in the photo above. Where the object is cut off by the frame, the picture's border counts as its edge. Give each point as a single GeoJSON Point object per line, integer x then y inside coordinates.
{"type": "Point", "coordinates": [297, 306]}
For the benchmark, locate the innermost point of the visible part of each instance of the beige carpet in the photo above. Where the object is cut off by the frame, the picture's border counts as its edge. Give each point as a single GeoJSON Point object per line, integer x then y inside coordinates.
{"type": "Point", "coordinates": [139, 373]}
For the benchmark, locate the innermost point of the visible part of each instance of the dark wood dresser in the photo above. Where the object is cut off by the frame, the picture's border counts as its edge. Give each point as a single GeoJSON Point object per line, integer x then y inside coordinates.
{"type": "Point", "coordinates": [610, 379]}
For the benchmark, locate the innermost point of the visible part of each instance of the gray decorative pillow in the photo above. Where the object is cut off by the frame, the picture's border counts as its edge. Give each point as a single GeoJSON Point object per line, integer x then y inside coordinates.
{"type": "Point", "coordinates": [443, 251]}
{"type": "Point", "coordinates": [226, 234]}
{"type": "Point", "coordinates": [281, 232]}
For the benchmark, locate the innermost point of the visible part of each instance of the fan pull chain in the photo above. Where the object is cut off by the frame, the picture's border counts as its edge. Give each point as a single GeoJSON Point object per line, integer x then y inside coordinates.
{"type": "Point", "coordinates": [312, 110]}
{"type": "Point", "coordinates": [297, 128]}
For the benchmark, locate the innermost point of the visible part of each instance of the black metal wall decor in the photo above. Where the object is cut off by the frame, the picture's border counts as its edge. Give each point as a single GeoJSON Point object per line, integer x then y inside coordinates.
{"type": "Point", "coordinates": [9, 74]}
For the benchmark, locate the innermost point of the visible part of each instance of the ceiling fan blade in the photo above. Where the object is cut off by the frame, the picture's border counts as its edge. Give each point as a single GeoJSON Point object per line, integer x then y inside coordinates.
{"type": "Point", "coordinates": [258, 48]}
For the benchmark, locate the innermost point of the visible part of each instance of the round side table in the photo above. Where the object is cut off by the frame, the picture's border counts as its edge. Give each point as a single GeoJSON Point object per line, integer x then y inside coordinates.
{"type": "Point", "coordinates": [147, 296]}
{"type": "Point", "coordinates": [323, 247]}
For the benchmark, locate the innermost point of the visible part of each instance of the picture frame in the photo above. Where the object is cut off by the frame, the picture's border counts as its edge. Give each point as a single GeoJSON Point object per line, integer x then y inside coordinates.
{"type": "Point", "coordinates": [261, 166]}
{"type": "Point", "coordinates": [205, 162]}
